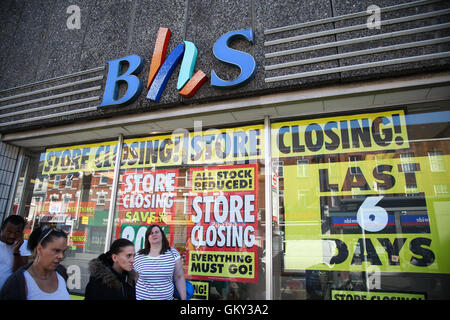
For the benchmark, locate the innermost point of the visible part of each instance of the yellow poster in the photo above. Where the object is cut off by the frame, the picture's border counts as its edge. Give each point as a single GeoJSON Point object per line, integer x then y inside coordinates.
{"type": "Point", "coordinates": [239, 266]}
{"type": "Point", "coordinates": [223, 204]}
{"type": "Point", "coordinates": [216, 146]}
{"type": "Point", "coordinates": [212, 146]}
{"type": "Point", "coordinates": [386, 213]}
{"type": "Point", "coordinates": [81, 158]}
{"type": "Point", "coordinates": [201, 290]}
{"type": "Point", "coordinates": [375, 295]}
{"type": "Point", "coordinates": [215, 180]}
{"type": "Point", "coordinates": [360, 132]}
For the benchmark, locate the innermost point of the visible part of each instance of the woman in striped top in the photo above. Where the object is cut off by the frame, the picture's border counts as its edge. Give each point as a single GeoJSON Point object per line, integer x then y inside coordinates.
{"type": "Point", "coordinates": [158, 266]}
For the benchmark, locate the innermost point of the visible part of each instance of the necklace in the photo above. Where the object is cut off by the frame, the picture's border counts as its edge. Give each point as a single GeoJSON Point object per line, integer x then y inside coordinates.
{"type": "Point", "coordinates": [38, 276]}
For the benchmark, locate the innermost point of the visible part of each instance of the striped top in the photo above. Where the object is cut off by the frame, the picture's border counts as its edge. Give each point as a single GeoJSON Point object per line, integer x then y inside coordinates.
{"type": "Point", "coordinates": [155, 280]}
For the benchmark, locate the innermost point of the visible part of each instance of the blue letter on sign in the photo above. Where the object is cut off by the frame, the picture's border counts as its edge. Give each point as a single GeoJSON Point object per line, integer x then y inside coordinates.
{"type": "Point", "coordinates": [164, 73]}
{"type": "Point", "coordinates": [115, 76]}
{"type": "Point", "coordinates": [242, 60]}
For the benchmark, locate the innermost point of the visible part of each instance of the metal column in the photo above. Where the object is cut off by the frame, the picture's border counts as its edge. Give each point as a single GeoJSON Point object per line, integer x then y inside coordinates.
{"type": "Point", "coordinates": [112, 203]}
{"type": "Point", "coordinates": [268, 208]}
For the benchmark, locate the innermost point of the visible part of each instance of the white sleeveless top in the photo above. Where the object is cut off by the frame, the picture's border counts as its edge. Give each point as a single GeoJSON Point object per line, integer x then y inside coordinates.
{"type": "Point", "coordinates": [35, 293]}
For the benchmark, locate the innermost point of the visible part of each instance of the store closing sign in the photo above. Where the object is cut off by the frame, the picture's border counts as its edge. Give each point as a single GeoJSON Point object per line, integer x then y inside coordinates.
{"type": "Point", "coordinates": [210, 146]}
{"type": "Point", "coordinates": [363, 132]}
{"type": "Point", "coordinates": [203, 147]}
{"type": "Point", "coordinates": [223, 204]}
{"type": "Point", "coordinates": [147, 197]}
{"type": "Point", "coordinates": [382, 211]}
{"type": "Point", "coordinates": [81, 158]}
{"type": "Point", "coordinates": [161, 69]}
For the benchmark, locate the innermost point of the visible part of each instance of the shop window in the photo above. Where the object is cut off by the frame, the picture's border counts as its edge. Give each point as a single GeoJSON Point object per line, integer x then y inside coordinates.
{"type": "Point", "coordinates": [354, 215]}
{"type": "Point", "coordinates": [70, 202]}
{"type": "Point", "coordinates": [208, 194]}
{"type": "Point", "coordinates": [209, 200]}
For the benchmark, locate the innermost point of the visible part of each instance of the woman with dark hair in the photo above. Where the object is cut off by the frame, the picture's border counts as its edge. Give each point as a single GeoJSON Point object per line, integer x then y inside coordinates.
{"type": "Point", "coordinates": [44, 278]}
{"type": "Point", "coordinates": [112, 275]}
{"type": "Point", "coordinates": [159, 267]}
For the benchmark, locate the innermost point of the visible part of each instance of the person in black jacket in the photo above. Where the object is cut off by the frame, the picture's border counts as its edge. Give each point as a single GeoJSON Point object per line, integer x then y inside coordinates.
{"type": "Point", "coordinates": [112, 275]}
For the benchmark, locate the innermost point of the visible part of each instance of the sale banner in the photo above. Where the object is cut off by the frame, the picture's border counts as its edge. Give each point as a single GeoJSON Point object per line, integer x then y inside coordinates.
{"type": "Point", "coordinates": [385, 213]}
{"type": "Point", "coordinates": [147, 197]}
{"type": "Point", "coordinates": [356, 133]}
{"type": "Point", "coordinates": [212, 146]}
{"type": "Point", "coordinates": [223, 208]}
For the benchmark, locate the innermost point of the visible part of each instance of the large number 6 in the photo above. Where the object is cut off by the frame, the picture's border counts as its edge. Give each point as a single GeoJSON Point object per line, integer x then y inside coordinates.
{"type": "Point", "coordinates": [371, 217]}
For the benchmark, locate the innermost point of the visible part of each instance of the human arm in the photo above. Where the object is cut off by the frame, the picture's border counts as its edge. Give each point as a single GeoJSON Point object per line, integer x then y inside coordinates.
{"type": "Point", "coordinates": [178, 277]}
{"type": "Point", "coordinates": [19, 258]}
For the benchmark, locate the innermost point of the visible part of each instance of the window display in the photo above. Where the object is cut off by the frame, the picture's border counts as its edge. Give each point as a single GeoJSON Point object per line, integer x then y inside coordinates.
{"type": "Point", "coordinates": [203, 189]}
{"type": "Point", "coordinates": [358, 204]}
{"type": "Point", "coordinates": [363, 204]}
{"type": "Point", "coordinates": [72, 191]}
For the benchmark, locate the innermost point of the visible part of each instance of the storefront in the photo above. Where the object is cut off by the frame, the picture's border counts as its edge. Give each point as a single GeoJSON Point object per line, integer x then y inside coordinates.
{"type": "Point", "coordinates": [318, 177]}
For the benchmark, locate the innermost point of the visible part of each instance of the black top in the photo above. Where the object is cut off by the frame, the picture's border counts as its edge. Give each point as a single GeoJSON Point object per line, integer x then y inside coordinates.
{"type": "Point", "coordinates": [107, 284]}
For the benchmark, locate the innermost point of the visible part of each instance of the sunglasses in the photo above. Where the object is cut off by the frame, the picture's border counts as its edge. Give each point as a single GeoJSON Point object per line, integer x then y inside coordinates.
{"type": "Point", "coordinates": [47, 233]}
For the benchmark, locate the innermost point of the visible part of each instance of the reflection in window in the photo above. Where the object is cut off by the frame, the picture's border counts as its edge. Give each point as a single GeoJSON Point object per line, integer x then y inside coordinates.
{"type": "Point", "coordinates": [69, 179]}
{"type": "Point", "coordinates": [436, 159]}
{"type": "Point", "coordinates": [56, 181]}
{"type": "Point", "coordinates": [441, 189]}
{"type": "Point", "coordinates": [376, 207]}
{"type": "Point", "coordinates": [75, 202]}
{"type": "Point", "coordinates": [407, 160]}
{"type": "Point", "coordinates": [302, 168]}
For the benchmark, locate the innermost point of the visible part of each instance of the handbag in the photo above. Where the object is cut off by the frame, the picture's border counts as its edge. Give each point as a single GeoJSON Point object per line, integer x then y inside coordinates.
{"type": "Point", "coordinates": [189, 290]}
{"type": "Point", "coordinates": [189, 287]}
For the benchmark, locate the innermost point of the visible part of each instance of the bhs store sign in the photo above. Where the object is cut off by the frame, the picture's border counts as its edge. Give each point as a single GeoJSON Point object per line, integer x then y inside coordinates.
{"type": "Point", "coordinates": [161, 69]}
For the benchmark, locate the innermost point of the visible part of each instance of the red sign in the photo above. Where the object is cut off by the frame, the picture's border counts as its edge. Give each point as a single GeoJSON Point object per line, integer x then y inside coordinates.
{"type": "Point", "coordinates": [147, 197]}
